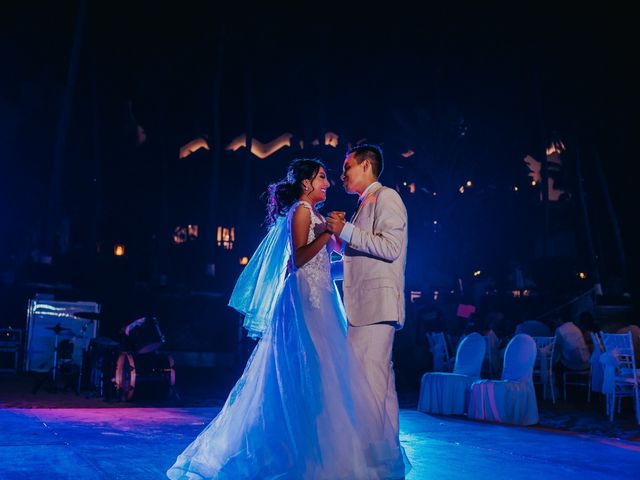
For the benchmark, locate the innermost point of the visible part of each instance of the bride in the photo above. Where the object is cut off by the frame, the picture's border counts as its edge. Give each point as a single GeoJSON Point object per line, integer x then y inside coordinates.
{"type": "Point", "coordinates": [302, 409]}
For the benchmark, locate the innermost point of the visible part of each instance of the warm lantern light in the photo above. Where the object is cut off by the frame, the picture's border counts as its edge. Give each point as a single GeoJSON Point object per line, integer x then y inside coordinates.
{"type": "Point", "coordinates": [554, 163]}
{"type": "Point", "coordinates": [193, 146]}
{"type": "Point", "coordinates": [461, 189]}
{"type": "Point", "coordinates": [515, 188]}
{"type": "Point", "coordinates": [182, 234]}
{"type": "Point", "coordinates": [469, 184]}
{"type": "Point", "coordinates": [331, 139]}
{"type": "Point", "coordinates": [412, 188]}
{"type": "Point", "coordinates": [259, 149]}
{"type": "Point", "coordinates": [477, 273]}
{"type": "Point", "coordinates": [534, 168]}
{"type": "Point", "coordinates": [179, 235]}
{"type": "Point", "coordinates": [244, 260]}
{"type": "Point", "coordinates": [118, 250]}
{"type": "Point", "coordinates": [225, 237]}
{"type": "Point", "coordinates": [582, 275]}
{"type": "Point", "coordinates": [556, 147]}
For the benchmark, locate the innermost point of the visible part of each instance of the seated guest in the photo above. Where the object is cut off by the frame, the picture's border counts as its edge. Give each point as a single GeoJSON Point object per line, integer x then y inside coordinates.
{"type": "Point", "coordinates": [587, 324]}
{"type": "Point", "coordinates": [571, 349]}
{"type": "Point", "coordinates": [534, 328]}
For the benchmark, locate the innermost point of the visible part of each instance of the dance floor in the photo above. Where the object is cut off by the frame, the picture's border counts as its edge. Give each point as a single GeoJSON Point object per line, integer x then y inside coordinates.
{"type": "Point", "coordinates": [141, 443]}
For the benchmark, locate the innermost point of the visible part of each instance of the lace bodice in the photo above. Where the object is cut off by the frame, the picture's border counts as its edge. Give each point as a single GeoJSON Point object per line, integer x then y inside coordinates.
{"type": "Point", "coordinates": [317, 271]}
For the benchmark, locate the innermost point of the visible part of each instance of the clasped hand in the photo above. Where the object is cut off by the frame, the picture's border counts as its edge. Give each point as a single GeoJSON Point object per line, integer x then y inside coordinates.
{"type": "Point", "coordinates": [335, 222]}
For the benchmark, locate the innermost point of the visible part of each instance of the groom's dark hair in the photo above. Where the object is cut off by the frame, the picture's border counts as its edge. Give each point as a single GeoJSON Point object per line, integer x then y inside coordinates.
{"type": "Point", "coordinates": [373, 153]}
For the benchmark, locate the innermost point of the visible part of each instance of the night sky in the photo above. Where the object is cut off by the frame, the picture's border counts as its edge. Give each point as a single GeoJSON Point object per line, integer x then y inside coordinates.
{"type": "Point", "coordinates": [509, 78]}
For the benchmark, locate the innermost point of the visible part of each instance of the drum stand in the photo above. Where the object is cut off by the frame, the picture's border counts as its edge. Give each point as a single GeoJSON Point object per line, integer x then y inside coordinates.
{"type": "Point", "coordinates": [82, 357]}
{"type": "Point", "coordinates": [52, 374]}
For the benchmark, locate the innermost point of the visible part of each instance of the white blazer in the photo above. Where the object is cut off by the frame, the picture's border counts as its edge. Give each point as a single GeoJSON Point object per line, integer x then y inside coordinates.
{"type": "Point", "coordinates": [374, 261]}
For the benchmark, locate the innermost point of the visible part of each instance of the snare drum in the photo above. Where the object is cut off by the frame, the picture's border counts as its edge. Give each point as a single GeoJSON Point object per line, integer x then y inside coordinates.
{"type": "Point", "coordinates": [145, 375]}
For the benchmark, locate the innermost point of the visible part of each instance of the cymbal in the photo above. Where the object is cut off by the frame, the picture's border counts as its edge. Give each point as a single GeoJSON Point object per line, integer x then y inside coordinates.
{"type": "Point", "coordinates": [88, 315]}
{"type": "Point", "coordinates": [57, 328]}
{"type": "Point", "coordinates": [105, 341]}
{"type": "Point", "coordinates": [69, 334]}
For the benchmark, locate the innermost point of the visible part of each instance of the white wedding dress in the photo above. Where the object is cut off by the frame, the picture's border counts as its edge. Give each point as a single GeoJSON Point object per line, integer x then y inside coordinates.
{"type": "Point", "coordinates": [302, 409]}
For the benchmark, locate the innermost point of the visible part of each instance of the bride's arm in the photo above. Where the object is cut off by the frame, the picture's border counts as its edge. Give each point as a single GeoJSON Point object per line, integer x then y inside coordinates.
{"type": "Point", "coordinates": [303, 252]}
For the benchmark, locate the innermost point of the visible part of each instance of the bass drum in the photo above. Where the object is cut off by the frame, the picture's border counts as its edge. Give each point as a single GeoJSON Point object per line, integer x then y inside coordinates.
{"type": "Point", "coordinates": [145, 375]}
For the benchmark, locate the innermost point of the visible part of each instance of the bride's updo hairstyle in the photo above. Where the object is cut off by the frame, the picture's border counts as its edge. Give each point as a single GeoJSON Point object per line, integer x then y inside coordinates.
{"type": "Point", "coordinates": [284, 193]}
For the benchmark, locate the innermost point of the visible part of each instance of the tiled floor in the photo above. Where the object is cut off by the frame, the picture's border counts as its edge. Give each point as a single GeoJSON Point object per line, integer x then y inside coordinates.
{"type": "Point", "coordinates": [67, 435]}
{"type": "Point", "coordinates": [141, 443]}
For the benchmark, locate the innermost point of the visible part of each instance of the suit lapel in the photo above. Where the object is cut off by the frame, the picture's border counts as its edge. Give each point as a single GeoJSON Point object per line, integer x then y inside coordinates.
{"type": "Point", "coordinates": [355, 214]}
{"type": "Point", "coordinates": [366, 200]}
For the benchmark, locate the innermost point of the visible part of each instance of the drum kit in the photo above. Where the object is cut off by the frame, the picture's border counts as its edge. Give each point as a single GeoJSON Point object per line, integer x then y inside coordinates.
{"type": "Point", "coordinates": [141, 371]}
{"type": "Point", "coordinates": [63, 367]}
{"type": "Point", "coordinates": [131, 368]}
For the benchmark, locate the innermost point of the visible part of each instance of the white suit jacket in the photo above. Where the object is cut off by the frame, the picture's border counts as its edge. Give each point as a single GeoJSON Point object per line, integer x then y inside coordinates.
{"type": "Point", "coordinates": [374, 260]}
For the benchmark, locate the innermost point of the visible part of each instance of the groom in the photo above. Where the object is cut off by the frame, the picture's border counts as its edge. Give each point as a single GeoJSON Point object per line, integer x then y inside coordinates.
{"type": "Point", "coordinates": [375, 249]}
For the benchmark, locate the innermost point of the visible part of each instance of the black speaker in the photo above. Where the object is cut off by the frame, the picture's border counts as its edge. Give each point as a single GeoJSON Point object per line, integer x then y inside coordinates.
{"type": "Point", "coordinates": [9, 360]}
{"type": "Point", "coordinates": [10, 348]}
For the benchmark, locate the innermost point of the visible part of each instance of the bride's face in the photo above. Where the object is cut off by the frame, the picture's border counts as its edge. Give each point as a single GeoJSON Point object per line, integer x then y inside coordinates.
{"type": "Point", "coordinates": [318, 191]}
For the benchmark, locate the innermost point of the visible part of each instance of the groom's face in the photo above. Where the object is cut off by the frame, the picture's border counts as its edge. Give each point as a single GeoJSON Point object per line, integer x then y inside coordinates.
{"type": "Point", "coordinates": [353, 174]}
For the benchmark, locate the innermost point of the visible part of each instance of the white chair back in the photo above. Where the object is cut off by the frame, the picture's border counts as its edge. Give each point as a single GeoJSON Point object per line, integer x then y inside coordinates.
{"type": "Point", "coordinates": [545, 345]}
{"type": "Point", "coordinates": [597, 342]}
{"type": "Point", "coordinates": [620, 373]}
{"type": "Point", "coordinates": [620, 345]}
{"type": "Point", "coordinates": [519, 358]}
{"type": "Point", "coordinates": [470, 355]}
{"type": "Point", "coordinates": [543, 367]}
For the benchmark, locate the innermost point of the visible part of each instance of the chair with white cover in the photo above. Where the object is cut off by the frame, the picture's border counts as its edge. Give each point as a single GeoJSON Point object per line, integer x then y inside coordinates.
{"type": "Point", "coordinates": [543, 367]}
{"type": "Point", "coordinates": [439, 351]}
{"type": "Point", "coordinates": [448, 393]}
{"type": "Point", "coordinates": [620, 373]}
{"type": "Point", "coordinates": [512, 399]}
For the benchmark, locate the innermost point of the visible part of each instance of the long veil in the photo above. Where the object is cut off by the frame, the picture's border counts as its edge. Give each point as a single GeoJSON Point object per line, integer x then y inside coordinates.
{"type": "Point", "coordinates": [260, 284]}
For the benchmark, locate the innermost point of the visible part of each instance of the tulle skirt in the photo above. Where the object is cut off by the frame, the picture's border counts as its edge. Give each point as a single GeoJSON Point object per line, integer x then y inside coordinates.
{"type": "Point", "coordinates": [302, 409]}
